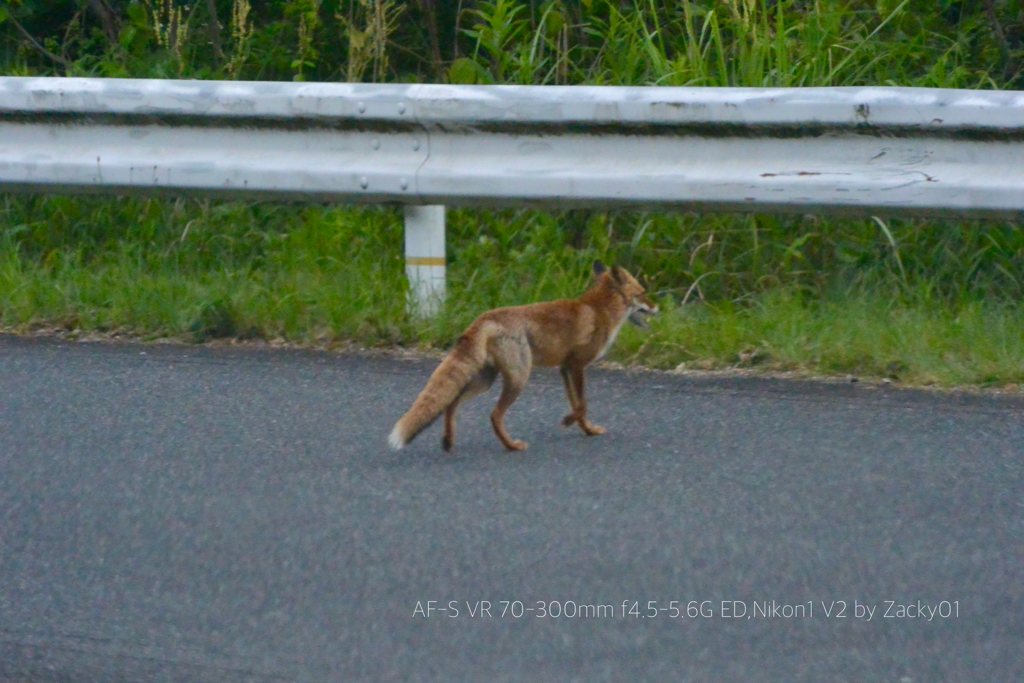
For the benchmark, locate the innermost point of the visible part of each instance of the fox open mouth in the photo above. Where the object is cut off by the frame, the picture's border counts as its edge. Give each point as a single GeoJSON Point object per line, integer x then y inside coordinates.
{"type": "Point", "coordinates": [639, 318]}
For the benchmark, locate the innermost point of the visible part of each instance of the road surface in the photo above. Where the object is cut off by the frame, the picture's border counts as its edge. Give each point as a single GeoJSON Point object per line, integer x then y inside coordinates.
{"type": "Point", "coordinates": [174, 513]}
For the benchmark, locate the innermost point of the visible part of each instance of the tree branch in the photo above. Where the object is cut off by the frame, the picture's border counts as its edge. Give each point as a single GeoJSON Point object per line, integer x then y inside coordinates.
{"type": "Point", "coordinates": [997, 29]}
{"type": "Point", "coordinates": [214, 28]}
{"type": "Point", "coordinates": [108, 18]}
{"type": "Point", "coordinates": [429, 10]}
{"type": "Point", "coordinates": [35, 43]}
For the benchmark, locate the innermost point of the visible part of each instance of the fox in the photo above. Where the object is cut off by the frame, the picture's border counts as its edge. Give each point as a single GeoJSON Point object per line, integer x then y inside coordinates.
{"type": "Point", "coordinates": [569, 334]}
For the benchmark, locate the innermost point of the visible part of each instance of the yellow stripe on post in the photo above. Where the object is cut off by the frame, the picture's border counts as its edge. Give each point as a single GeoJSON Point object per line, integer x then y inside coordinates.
{"type": "Point", "coordinates": [425, 258]}
{"type": "Point", "coordinates": [424, 261]}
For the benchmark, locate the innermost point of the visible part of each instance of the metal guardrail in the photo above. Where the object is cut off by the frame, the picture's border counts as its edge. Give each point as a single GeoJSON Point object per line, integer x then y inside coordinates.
{"type": "Point", "coordinates": [807, 150]}
{"type": "Point", "coordinates": [828, 150]}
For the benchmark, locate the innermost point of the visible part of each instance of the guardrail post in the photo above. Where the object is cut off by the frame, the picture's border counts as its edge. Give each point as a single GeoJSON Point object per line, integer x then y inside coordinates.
{"type": "Point", "coordinates": [424, 258]}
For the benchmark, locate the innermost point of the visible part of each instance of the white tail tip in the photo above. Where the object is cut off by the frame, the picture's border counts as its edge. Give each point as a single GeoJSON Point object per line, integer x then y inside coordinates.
{"type": "Point", "coordinates": [395, 440]}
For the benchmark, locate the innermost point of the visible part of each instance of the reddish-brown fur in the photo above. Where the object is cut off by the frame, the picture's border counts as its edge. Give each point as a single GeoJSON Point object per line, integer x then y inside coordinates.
{"type": "Point", "coordinates": [568, 334]}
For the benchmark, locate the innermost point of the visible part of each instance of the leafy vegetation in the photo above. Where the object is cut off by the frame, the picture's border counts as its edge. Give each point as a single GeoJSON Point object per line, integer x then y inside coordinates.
{"type": "Point", "coordinates": [918, 300]}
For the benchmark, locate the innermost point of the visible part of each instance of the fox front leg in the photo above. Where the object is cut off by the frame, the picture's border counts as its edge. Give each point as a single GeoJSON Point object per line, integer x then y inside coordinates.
{"type": "Point", "coordinates": [573, 377]}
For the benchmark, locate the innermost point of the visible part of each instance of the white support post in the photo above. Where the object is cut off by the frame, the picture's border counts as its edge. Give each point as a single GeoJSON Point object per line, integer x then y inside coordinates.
{"type": "Point", "coordinates": [424, 258]}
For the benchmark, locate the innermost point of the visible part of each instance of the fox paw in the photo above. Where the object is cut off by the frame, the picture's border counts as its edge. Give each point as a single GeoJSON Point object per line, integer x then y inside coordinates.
{"type": "Point", "coordinates": [517, 446]}
{"type": "Point", "coordinates": [594, 430]}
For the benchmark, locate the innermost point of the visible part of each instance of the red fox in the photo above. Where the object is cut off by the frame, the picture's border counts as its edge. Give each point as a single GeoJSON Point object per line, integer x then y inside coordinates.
{"type": "Point", "coordinates": [570, 334]}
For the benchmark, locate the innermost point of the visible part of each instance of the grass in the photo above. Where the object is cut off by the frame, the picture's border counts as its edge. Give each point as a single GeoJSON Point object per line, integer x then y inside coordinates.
{"type": "Point", "coordinates": [914, 303]}
{"type": "Point", "coordinates": [975, 345]}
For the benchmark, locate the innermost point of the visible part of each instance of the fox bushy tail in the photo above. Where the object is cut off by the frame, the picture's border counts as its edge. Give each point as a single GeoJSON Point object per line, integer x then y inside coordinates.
{"type": "Point", "coordinates": [444, 386]}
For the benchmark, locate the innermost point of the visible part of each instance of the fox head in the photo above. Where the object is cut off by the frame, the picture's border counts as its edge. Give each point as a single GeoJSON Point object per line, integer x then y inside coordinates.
{"type": "Point", "coordinates": [627, 286]}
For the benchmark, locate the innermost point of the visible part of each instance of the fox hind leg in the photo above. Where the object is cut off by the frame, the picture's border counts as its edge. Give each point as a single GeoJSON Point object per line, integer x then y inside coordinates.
{"type": "Point", "coordinates": [509, 393]}
{"type": "Point", "coordinates": [570, 392]}
{"type": "Point", "coordinates": [515, 364]}
{"type": "Point", "coordinates": [480, 383]}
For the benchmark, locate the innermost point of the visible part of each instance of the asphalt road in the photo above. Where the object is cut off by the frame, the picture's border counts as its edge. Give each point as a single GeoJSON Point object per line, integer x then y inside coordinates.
{"type": "Point", "coordinates": [194, 514]}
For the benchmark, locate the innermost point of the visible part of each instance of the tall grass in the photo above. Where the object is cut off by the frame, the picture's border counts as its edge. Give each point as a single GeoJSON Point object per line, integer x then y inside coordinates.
{"type": "Point", "coordinates": [751, 43]}
{"type": "Point", "coordinates": [835, 299]}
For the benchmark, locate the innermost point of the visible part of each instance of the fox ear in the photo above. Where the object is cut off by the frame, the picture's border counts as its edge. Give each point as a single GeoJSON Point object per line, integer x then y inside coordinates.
{"type": "Point", "coordinates": [599, 268]}
{"type": "Point", "coordinates": [617, 274]}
